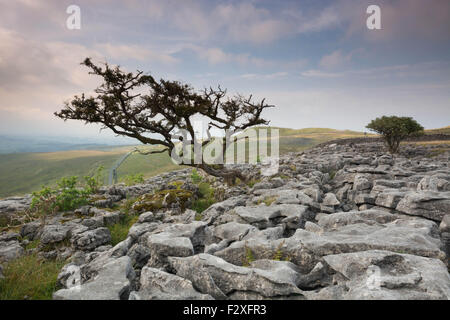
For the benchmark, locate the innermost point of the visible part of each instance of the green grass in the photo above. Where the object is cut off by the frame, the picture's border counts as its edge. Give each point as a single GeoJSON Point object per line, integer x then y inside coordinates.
{"type": "Point", "coordinates": [22, 173]}
{"type": "Point", "coordinates": [29, 277]}
{"type": "Point", "coordinates": [149, 165]}
{"type": "Point", "coordinates": [205, 200]}
{"type": "Point", "coordinates": [119, 231]}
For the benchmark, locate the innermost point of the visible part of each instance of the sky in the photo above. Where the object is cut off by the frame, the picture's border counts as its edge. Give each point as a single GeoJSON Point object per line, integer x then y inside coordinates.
{"type": "Point", "coordinates": [316, 61]}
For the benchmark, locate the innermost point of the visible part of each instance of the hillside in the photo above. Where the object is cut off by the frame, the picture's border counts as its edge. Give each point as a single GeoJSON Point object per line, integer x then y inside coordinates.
{"type": "Point", "coordinates": [22, 173]}
{"type": "Point", "coordinates": [444, 130]}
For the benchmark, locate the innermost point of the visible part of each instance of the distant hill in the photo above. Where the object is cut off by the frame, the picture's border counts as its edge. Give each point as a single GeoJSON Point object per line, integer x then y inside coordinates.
{"type": "Point", "coordinates": [292, 140]}
{"type": "Point", "coordinates": [444, 130]}
{"type": "Point", "coordinates": [18, 144]}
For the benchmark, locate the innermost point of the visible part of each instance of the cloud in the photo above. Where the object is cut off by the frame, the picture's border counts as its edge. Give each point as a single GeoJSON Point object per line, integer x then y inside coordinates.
{"type": "Point", "coordinates": [216, 55]}
{"type": "Point", "coordinates": [136, 52]}
{"type": "Point", "coordinates": [401, 21]}
{"type": "Point", "coordinates": [334, 59]}
{"type": "Point", "coordinates": [320, 74]}
{"type": "Point", "coordinates": [269, 76]}
{"type": "Point", "coordinates": [245, 21]}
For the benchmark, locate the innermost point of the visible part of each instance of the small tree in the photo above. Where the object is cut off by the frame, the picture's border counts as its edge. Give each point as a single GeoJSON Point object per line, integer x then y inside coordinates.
{"type": "Point", "coordinates": [395, 129]}
{"type": "Point", "coordinates": [138, 106]}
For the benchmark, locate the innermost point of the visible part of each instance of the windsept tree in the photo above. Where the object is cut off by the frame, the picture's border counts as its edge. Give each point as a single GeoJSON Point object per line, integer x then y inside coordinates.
{"type": "Point", "coordinates": [138, 106]}
{"type": "Point", "coordinates": [395, 129]}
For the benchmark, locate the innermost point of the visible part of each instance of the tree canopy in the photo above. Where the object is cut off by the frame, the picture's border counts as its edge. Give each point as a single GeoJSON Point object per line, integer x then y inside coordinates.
{"type": "Point", "coordinates": [138, 106]}
{"type": "Point", "coordinates": [395, 129]}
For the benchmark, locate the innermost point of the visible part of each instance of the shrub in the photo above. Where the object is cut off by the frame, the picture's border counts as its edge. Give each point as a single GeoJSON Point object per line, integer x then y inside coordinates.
{"type": "Point", "coordinates": [206, 198]}
{"type": "Point", "coordinates": [65, 197]}
{"type": "Point", "coordinates": [249, 257]}
{"type": "Point", "coordinates": [132, 179]}
{"type": "Point", "coordinates": [196, 178]}
{"type": "Point", "coordinates": [29, 277]}
{"type": "Point", "coordinates": [395, 129]}
{"type": "Point", "coordinates": [94, 182]}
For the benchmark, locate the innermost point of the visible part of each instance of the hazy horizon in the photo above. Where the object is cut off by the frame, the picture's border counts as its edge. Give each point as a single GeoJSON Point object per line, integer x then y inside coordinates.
{"type": "Point", "coordinates": [316, 61]}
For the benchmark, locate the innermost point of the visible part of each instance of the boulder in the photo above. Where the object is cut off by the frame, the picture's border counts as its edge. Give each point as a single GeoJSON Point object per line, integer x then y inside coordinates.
{"type": "Point", "coordinates": [438, 182]}
{"type": "Point", "coordinates": [88, 240]}
{"type": "Point", "coordinates": [370, 217]}
{"type": "Point", "coordinates": [445, 224]}
{"type": "Point", "coordinates": [384, 275]}
{"type": "Point", "coordinates": [233, 231]}
{"type": "Point", "coordinates": [330, 200]}
{"type": "Point", "coordinates": [110, 280]}
{"type": "Point", "coordinates": [163, 245]}
{"type": "Point", "coordinates": [428, 204]}
{"type": "Point", "coordinates": [30, 230]}
{"type": "Point", "coordinates": [361, 183]}
{"type": "Point", "coordinates": [10, 250]}
{"type": "Point", "coordinates": [389, 198]}
{"type": "Point", "coordinates": [54, 233]}
{"type": "Point", "coordinates": [214, 276]}
{"type": "Point", "coordinates": [159, 285]}
{"type": "Point", "coordinates": [417, 237]}
{"type": "Point", "coordinates": [293, 216]}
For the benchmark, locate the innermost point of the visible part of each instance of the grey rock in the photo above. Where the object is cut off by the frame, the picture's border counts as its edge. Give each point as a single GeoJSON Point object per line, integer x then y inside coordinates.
{"type": "Point", "coordinates": [139, 255]}
{"type": "Point", "coordinates": [361, 183]}
{"type": "Point", "coordinates": [138, 229]}
{"type": "Point", "coordinates": [159, 285]}
{"type": "Point", "coordinates": [389, 198]}
{"type": "Point", "coordinates": [364, 198]}
{"type": "Point", "coordinates": [417, 237]}
{"type": "Point", "coordinates": [381, 275]}
{"type": "Point", "coordinates": [70, 276]}
{"type": "Point", "coordinates": [312, 227]}
{"type": "Point", "coordinates": [238, 252]}
{"type": "Point", "coordinates": [214, 247]}
{"type": "Point", "coordinates": [10, 250]}
{"type": "Point", "coordinates": [233, 231]}
{"type": "Point", "coordinates": [293, 216]}
{"type": "Point", "coordinates": [216, 277]}
{"type": "Point", "coordinates": [389, 184]}
{"type": "Point", "coordinates": [88, 240]}
{"type": "Point", "coordinates": [9, 236]}
{"type": "Point", "coordinates": [163, 245]}
{"type": "Point", "coordinates": [14, 204]}
{"type": "Point", "coordinates": [445, 224]}
{"type": "Point", "coordinates": [313, 192]}
{"type": "Point", "coordinates": [330, 200]}
{"type": "Point", "coordinates": [148, 217]}
{"type": "Point", "coordinates": [216, 210]}
{"type": "Point", "coordinates": [30, 230]}
{"type": "Point", "coordinates": [122, 247]}
{"type": "Point", "coordinates": [428, 204]}
{"type": "Point", "coordinates": [370, 217]}
{"type": "Point", "coordinates": [288, 196]}
{"type": "Point", "coordinates": [434, 183]}
{"type": "Point", "coordinates": [110, 218]}
{"type": "Point", "coordinates": [112, 281]}
{"type": "Point", "coordinates": [93, 223]}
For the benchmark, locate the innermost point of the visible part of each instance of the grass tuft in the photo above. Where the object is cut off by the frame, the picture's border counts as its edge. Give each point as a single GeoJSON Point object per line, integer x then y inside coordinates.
{"type": "Point", "coordinates": [119, 231]}
{"type": "Point", "coordinates": [29, 277]}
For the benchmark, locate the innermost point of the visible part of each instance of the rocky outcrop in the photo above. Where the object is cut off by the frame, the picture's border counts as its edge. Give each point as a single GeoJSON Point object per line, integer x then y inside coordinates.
{"type": "Point", "coordinates": [336, 222]}
{"type": "Point", "coordinates": [384, 275]}
{"type": "Point", "coordinates": [107, 279]}
{"type": "Point", "coordinates": [159, 285]}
